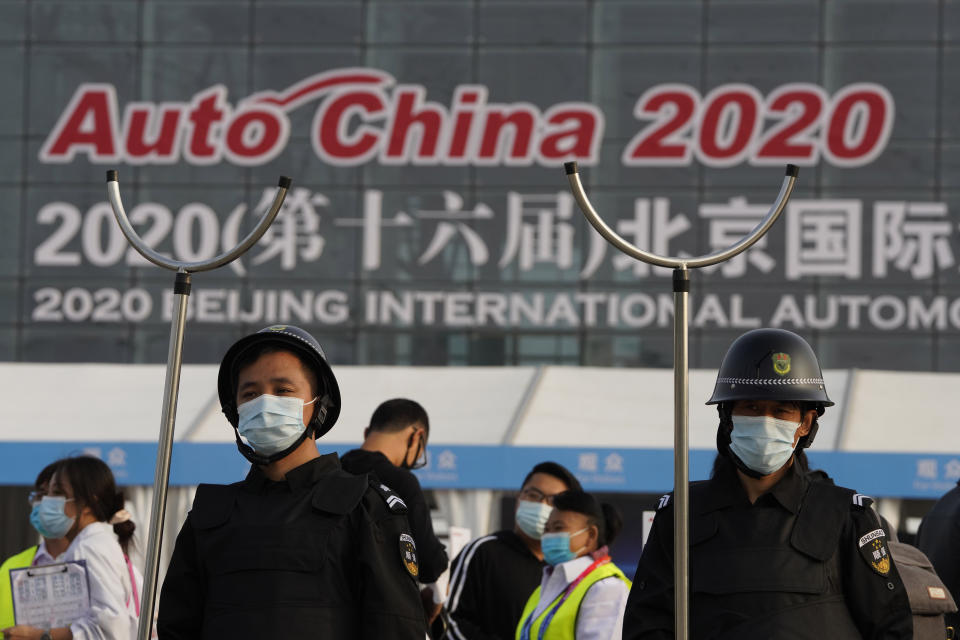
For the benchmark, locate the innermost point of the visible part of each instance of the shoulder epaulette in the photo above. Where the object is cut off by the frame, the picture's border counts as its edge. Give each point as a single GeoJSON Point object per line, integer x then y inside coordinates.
{"type": "Point", "coordinates": [394, 502]}
{"type": "Point", "coordinates": [862, 501]}
{"type": "Point", "coordinates": [664, 501]}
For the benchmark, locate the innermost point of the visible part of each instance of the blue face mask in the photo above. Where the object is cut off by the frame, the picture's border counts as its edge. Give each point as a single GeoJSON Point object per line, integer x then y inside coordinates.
{"type": "Point", "coordinates": [556, 547]}
{"type": "Point", "coordinates": [49, 519]}
{"type": "Point", "coordinates": [763, 443]}
{"type": "Point", "coordinates": [271, 424]}
{"type": "Point", "coordinates": [532, 517]}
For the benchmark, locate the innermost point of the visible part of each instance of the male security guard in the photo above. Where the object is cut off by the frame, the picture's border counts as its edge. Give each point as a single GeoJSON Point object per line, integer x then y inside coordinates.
{"type": "Point", "coordinates": [394, 443]}
{"type": "Point", "coordinates": [300, 548]}
{"type": "Point", "coordinates": [772, 553]}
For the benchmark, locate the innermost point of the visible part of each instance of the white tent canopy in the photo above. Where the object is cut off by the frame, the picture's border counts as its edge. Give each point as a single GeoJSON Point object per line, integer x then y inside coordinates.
{"type": "Point", "coordinates": [523, 406]}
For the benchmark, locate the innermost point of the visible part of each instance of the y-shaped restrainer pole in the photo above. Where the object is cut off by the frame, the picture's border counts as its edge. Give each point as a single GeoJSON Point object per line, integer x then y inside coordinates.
{"type": "Point", "coordinates": [171, 387]}
{"type": "Point", "coordinates": [681, 289]}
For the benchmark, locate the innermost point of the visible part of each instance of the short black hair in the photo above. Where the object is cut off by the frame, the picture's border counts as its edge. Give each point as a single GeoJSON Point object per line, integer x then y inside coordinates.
{"type": "Point", "coordinates": [605, 517]}
{"type": "Point", "coordinates": [398, 414]}
{"type": "Point", "coordinates": [257, 351]}
{"type": "Point", "coordinates": [556, 470]}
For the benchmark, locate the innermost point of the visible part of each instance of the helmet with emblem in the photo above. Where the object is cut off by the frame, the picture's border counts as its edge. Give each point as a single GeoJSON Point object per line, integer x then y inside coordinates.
{"type": "Point", "coordinates": [770, 364]}
{"type": "Point", "coordinates": [284, 338]}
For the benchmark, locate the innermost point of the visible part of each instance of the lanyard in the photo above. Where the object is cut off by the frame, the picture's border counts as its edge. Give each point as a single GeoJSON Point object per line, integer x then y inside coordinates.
{"type": "Point", "coordinates": [133, 583]}
{"type": "Point", "coordinates": [528, 623]}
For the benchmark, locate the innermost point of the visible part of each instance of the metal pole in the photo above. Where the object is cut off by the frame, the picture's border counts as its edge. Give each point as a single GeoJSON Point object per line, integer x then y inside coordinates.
{"type": "Point", "coordinates": [681, 289]}
{"type": "Point", "coordinates": [171, 389]}
{"type": "Point", "coordinates": [681, 458]}
{"type": "Point", "coordinates": [161, 475]}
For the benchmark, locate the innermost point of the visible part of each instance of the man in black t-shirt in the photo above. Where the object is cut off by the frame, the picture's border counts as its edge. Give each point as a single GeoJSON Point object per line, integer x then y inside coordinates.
{"type": "Point", "coordinates": [393, 444]}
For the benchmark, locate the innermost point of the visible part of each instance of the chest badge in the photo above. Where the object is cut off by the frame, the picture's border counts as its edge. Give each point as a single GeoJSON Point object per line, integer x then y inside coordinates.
{"type": "Point", "coordinates": [408, 555]}
{"type": "Point", "coordinates": [873, 549]}
{"type": "Point", "coordinates": [781, 363]}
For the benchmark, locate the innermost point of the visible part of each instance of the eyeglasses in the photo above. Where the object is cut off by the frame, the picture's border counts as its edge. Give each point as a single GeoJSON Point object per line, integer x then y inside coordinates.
{"type": "Point", "coordinates": [35, 497]}
{"type": "Point", "coordinates": [535, 495]}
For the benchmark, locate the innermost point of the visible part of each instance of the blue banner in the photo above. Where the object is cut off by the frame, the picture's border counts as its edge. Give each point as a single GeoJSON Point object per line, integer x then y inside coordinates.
{"type": "Point", "coordinates": [893, 475]}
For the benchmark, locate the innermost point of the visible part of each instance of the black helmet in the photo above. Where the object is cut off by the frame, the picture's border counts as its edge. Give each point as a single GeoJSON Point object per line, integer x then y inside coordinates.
{"type": "Point", "coordinates": [767, 364]}
{"type": "Point", "coordinates": [305, 347]}
{"type": "Point", "coordinates": [772, 364]}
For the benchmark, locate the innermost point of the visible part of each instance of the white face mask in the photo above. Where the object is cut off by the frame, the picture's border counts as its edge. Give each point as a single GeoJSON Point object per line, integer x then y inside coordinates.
{"type": "Point", "coordinates": [270, 424]}
{"type": "Point", "coordinates": [532, 517]}
{"type": "Point", "coordinates": [763, 443]}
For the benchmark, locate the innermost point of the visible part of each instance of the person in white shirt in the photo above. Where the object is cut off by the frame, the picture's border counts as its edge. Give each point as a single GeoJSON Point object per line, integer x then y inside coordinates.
{"type": "Point", "coordinates": [582, 594]}
{"type": "Point", "coordinates": [83, 505]}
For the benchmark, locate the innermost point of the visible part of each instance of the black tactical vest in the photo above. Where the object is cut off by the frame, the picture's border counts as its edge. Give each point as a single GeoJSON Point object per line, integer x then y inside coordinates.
{"type": "Point", "coordinates": [763, 572]}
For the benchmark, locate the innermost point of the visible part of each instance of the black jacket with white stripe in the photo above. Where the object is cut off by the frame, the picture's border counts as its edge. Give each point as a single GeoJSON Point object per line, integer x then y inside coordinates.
{"type": "Point", "coordinates": [490, 582]}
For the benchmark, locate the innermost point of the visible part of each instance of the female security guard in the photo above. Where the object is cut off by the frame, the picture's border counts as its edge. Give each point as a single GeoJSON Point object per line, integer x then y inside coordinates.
{"type": "Point", "coordinates": [300, 548]}
{"type": "Point", "coordinates": [773, 554]}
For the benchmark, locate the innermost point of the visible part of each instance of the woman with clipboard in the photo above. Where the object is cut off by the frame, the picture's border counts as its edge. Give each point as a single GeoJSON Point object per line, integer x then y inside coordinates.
{"type": "Point", "coordinates": [83, 505]}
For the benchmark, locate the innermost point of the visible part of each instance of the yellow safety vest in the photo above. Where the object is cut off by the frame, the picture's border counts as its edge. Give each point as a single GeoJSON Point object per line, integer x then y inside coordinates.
{"type": "Point", "coordinates": [563, 622]}
{"type": "Point", "coordinates": [19, 561]}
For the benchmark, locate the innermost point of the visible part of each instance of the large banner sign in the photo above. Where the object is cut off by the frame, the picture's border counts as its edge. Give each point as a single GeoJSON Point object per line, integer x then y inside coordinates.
{"type": "Point", "coordinates": [430, 220]}
{"type": "Point", "coordinates": [906, 475]}
{"type": "Point", "coordinates": [363, 115]}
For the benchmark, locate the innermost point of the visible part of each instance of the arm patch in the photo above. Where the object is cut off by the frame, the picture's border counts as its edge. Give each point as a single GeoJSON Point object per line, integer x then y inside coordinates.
{"type": "Point", "coordinates": [664, 501]}
{"type": "Point", "coordinates": [862, 501]}
{"type": "Point", "coordinates": [394, 502]}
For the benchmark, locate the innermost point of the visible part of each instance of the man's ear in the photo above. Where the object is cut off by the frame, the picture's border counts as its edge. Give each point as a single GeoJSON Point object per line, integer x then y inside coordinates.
{"type": "Point", "coordinates": [808, 418]}
{"type": "Point", "coordinates": [366, 433]}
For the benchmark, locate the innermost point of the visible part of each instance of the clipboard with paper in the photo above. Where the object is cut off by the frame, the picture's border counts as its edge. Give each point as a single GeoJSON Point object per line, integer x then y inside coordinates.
{"type": "Point", "coordinates": [50, 596]}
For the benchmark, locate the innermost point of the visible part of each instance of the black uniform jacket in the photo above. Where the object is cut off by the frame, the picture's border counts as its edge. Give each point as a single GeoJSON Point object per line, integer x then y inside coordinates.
{"type": "Point", "coordinates": [317, 555]}
{"type": "Point", "coordinates": [939, 538]}
{"type": "Point", "coordinates": [490, 582]}
{"type": "Point", "coordinates": [432, 553]}
{"type": "Point", "coordinates": [793, 565]}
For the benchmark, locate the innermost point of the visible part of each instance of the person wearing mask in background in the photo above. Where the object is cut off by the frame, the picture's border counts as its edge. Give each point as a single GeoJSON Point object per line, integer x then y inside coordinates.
{"type": "Point", "coordinates": [46, 552]}
{"type": "Point", "coordinates": [492, 577]}
{"type": "Point", "coordinates": [394, 443]}
{"type": "Point", "coordinates": [83, 505]}
{"type": "Point", "coordinates": [773, 553]}
{"type": "Point", "coordinates": [938, 537]}
{"type": "Point", "coordinates": [299, 548]}
{"type": "Point", "coordinates": [582, 594]}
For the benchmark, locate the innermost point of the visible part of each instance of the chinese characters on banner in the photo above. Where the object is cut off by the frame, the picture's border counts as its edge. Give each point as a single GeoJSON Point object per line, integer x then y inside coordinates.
{"type": "Point", "coordinates": [820, 237]}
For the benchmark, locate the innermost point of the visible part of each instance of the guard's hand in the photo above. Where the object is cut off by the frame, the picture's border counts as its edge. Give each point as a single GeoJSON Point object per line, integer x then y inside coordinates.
{"type": "Point", "coordinates": [430, 609]}
{"type": "Point", "coordinates": [22, 632]}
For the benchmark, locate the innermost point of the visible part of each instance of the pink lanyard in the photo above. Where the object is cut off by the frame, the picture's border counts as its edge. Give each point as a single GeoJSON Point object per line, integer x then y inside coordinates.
{"type": "Point", "coordinates": [552, 611]}
{"type": "Point", "coordinates": [133, 583]}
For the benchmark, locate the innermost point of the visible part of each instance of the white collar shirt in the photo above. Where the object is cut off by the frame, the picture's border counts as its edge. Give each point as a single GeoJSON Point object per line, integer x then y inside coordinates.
{"type": "Point", "coordinates": [112, 614]}
{"type": "Point", "coordinates": [601, 612]}
{"type": "Point", "coordinates": [42, 556]}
